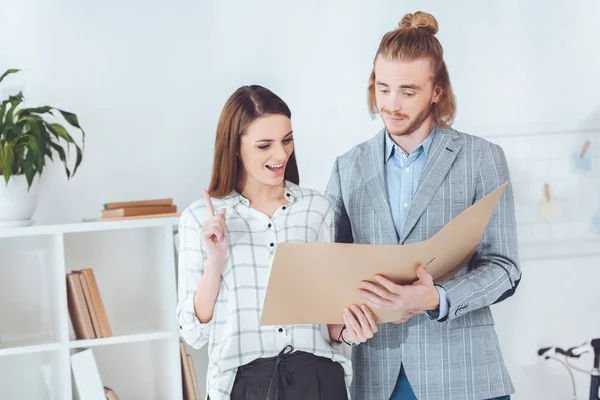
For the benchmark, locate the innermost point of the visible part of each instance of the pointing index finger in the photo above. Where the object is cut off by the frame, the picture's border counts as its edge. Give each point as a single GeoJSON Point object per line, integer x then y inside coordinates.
{"type": "Point", "coordinates": [209, 204]}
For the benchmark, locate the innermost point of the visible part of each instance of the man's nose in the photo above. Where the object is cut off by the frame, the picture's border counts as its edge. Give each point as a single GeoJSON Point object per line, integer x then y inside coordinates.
{"type": "Point", "coordinates": [393, 104]}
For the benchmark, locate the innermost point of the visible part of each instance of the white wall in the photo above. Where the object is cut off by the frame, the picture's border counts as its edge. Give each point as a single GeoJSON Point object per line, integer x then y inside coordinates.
{"type": "Point", "coordinates": [148, 79]}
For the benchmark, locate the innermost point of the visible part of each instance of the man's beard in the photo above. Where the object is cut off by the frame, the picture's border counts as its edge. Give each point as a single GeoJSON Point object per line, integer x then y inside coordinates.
{"type": "Point", "coordinates": [414, 125]}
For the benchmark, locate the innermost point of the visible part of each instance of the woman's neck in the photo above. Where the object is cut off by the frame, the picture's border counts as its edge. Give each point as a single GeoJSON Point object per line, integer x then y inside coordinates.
{"type": "Point", "coordinates": [261, 193]}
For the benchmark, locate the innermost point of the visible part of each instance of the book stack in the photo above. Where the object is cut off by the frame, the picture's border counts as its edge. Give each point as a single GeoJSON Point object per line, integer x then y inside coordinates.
{"type": "Point", "coordinates": [86, 308]}
{"type": "Point", "coordinates": [190, 384]}
{"type": "Point", "coordinates": [139, 209]}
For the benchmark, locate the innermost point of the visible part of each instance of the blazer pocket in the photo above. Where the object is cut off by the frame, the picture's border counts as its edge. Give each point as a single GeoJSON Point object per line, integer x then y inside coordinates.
{"type": "Point", "coordinates": [479, 317]}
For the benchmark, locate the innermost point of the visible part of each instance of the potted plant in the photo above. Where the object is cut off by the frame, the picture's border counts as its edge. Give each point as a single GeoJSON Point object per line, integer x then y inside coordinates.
{"type": "Point", "coordinates": [28, 138]}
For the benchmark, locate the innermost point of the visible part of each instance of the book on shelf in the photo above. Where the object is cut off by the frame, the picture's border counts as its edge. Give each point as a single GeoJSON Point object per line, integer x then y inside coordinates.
{"type": "Point", "coordinates": [136, 209]}
{"type": "Point", "coordinates": [188, 374]}
{"type": "Point", "coordinates": [86, 308]}
{"type": "Point", "coordinates": [86, 377]}
{"type": "Point", "coordinates": [137, 203]}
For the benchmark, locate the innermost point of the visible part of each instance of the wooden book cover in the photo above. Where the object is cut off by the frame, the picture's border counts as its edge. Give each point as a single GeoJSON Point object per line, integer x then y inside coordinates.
{"type": "Point", "coordinates": [162, 215]}
{"type": "Point", "coordinates": [138, 203]}
{"type": "Point", "coordinates": [90, 305]}
{"type": "Point", "coordinates": [97, 302]}
{"type": "Point", "coordinates": [186, 374]}
{"type": "Point", "coordinates": [194, 381]}
{"type": "Point", "coordinates": [134, 211]}
{"type": "Point", "coordinates": [78, 311]}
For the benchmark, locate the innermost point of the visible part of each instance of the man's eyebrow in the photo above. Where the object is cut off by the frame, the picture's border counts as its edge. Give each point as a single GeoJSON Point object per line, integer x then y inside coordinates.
{"type": "Point", "coordinates": [407, 86]}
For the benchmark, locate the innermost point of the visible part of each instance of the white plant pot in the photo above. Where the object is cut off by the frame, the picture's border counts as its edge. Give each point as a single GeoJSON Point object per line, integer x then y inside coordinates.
{"type": "Point", "coordinates": [17, 204]}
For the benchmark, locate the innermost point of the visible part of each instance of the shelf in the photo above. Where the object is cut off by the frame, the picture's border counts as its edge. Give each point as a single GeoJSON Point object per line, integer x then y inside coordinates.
{"type": "Point", "coordinates": [36, 230]}
{"type": "Point", "coordinates": [133, 262]}
{"type": "Point", "coordinates": [33, 376]}
{"type": "Point", "coordinates": [144, 337]}
{"type": "Point", "coordinates": [141, 370]}
{"type": "Point", "coordinates": [22, 348]}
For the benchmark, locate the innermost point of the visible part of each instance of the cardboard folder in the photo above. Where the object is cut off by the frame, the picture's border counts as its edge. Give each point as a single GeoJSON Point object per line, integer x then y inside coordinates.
{"type": "Point", "coordinates": [312, 283]}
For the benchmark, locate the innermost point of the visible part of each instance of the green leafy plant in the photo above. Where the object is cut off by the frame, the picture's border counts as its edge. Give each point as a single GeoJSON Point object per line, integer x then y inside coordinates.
{"type": "Point", "coordinates": [27, 139]}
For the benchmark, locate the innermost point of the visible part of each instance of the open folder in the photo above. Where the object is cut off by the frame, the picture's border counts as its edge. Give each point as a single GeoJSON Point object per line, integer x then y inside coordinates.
{"type": "Point", "coordinates": [312, 283]}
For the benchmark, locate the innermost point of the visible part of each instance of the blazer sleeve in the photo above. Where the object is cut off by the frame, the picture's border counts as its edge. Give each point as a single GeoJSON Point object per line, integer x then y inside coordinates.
{"type": "Point", "coordinates": [341, 222]}
{"type": "Point", "coordinates": [494, 271]}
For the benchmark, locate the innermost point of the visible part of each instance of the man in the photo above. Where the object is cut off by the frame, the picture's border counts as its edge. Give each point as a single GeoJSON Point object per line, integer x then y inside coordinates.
{"type": "Point", "coordinates": [403, 186]}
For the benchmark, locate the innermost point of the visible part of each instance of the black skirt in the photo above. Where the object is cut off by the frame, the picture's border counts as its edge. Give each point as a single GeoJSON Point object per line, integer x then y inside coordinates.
{"type": "Point", "coordinates": [290, 376]}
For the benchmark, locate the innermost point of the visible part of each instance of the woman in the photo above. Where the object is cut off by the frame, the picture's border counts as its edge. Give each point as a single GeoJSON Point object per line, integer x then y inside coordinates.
{"type": "Point", "coordinates": [227, 241]}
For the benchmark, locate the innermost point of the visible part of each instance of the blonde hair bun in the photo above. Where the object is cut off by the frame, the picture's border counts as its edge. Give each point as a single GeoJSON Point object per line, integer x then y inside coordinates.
{"type": "Point", "coordinates": [419, 21]}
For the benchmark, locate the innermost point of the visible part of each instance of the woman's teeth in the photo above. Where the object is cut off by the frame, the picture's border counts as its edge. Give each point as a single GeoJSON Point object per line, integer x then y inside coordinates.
{"type": "Point", "coordinates": [274, 167]}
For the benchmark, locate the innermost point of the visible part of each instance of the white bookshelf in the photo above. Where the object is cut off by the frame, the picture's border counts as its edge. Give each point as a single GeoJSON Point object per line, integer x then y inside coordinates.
{"type": "Point", "coordinates": [134, 265]}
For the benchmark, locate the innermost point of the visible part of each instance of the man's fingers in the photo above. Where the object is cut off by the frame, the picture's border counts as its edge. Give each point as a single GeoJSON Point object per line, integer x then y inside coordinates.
{"type": "Point", "coordinates": [389, 285]}
{"type": "Point", "coordinates": [209, 205]}
{"type": "Point", "coordinates": [378, 290]}
{"type": "Point", "coordinates": [423, 275]}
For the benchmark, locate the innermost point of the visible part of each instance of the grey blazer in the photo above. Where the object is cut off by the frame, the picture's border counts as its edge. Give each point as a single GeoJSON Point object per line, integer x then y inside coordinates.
{"type": "Point", "coordinates": [460, 357]}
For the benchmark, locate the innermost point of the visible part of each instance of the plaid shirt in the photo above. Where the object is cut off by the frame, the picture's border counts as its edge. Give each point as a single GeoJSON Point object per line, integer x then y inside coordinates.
{"type": "Point", "coordinates": [234, 334]}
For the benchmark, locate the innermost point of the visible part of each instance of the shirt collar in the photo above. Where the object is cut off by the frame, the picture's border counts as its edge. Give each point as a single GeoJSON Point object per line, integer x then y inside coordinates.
{"type": "Point", "coordinates": [292, 194]}
{"type": "Point", "coordinates": [391, 147]}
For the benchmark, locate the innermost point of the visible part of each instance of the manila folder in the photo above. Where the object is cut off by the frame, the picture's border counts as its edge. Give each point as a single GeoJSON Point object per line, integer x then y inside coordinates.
{"type": "Point", "coordinates": [312, 283]}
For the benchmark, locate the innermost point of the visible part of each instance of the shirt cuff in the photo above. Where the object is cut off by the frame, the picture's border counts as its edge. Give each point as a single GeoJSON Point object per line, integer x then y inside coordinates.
{"type": "Point", "coordinates": [442, 311]}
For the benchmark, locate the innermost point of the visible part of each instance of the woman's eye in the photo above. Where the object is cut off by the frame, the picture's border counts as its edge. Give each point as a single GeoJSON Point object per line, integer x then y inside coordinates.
{"type": "Point", "coordinates": [263, 147]}
{"type": "Point", "coordinates": [287, 141]}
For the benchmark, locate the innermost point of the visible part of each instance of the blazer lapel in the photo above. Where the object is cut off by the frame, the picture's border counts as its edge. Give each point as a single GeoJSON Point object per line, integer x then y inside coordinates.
{"type": "Point", "coordinates": [443, 152]}
{"type": "Point", "coordinates": [372, 168]}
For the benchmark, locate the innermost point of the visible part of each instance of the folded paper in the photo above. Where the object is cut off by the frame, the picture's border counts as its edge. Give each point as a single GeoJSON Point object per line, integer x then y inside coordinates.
{"type": "Point", "coordinates": [312, 283]}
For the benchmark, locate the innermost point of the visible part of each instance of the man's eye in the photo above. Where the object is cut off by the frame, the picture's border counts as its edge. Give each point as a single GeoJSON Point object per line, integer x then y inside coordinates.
{"type": "Point", "coordinates": [384, 91]}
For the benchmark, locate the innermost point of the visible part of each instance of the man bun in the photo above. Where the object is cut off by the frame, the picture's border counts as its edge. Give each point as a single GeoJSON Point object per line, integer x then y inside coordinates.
{"type": "Point", "coordinates": [420, 21]}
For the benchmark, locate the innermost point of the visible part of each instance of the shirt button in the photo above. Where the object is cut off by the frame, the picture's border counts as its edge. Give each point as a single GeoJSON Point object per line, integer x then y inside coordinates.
{"type": "Point", "coordinates": [405, 205]}
{"type": "Point", "coordinates": [283, 208]}
{"type": "Point", "coordinates": [270, 225]}
{"type": "Point", "coordinates": [272, 244]}
{"type": "Point", "coordinates": [280, 330]}
{"type": "Point", "coordinates": [407, 169]}
{"type": "Point", "coordinates": [287, 195]}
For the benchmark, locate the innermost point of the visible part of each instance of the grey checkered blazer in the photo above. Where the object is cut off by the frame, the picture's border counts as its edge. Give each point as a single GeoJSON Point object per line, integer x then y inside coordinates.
{"type": "Point", "coordinates": [458, 358]}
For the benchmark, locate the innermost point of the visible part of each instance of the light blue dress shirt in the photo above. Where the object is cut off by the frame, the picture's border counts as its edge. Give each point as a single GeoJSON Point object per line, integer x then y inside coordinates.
{"type": "Point", "coordinates": [403, 172]}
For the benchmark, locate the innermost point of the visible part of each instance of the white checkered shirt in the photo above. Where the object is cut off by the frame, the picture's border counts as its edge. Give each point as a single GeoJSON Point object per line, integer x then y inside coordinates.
{"type": "Point", "coordinates": [234, 334]}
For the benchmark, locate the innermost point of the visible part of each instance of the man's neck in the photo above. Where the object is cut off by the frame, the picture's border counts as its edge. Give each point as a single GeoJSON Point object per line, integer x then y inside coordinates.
{"type": "Point", "coordinates": [410, 141]}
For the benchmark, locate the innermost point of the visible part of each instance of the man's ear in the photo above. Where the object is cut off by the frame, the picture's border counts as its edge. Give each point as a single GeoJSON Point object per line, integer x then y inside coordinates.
{"type": "Point", "coordinates": [437, 94]}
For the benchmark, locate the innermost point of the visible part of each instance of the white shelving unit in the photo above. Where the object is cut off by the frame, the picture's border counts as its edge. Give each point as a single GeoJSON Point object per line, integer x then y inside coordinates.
{"type": "Point", "coordinates": [134, 264]}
